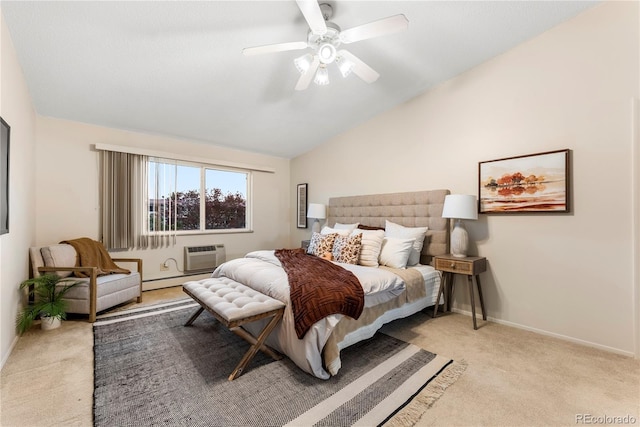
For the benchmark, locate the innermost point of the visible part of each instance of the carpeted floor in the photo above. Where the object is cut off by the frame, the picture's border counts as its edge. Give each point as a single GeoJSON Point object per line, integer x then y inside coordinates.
{"type": "Point", "coordinates": [513, 378]}
{"type": "Point", "coordinates": [151, 370]}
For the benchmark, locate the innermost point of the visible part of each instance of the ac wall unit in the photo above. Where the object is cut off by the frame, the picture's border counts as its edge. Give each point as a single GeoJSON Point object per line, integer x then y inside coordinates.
{"type": "Point", "coordinates": [203, 258]}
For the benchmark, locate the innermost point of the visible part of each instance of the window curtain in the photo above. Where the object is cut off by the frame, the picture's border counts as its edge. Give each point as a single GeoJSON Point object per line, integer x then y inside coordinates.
{"type": "Point", "coordinates": [126, 205]}
{"type": "Point", "coordinates": [162, 197]}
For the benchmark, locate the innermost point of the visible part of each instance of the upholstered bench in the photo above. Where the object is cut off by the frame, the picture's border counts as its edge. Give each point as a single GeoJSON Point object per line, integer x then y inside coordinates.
{"type": "Point", "coordinates": [234, 305]}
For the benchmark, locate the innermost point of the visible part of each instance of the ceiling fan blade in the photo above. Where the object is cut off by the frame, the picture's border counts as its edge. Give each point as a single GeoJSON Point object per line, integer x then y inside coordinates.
{"type": "Point", "coordinates": [313, 15]}
{"type": "Point", "coordinates": [381, 27]}
{"type": "Point", "coordinates": [305, 79]}
{"type": "Point", "coordinates": [360, 69]}
{"type": "Point", "coordinates": [270, 48]}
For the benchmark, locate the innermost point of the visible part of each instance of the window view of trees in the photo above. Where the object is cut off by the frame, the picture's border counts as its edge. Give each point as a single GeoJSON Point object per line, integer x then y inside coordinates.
{"type": "Point", "coordinates": [224, 211]}
{"type": "Point", "coordinates": [224, 195]}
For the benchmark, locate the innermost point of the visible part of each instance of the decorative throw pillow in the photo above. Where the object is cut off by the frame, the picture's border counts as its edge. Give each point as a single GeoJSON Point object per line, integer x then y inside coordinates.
{"type": "Point", "coordinates": [329, 230]}
{"type": "Point", "coordinates": [369, 227]}
{"type": "Point", "coordinates": [346, 249]}
{"type": "Point", "coordinates": [371, 245]}
{"type": "Point", "coordinates": [62, 255]}
{"type": "Point", "coordinates": [320, 244]}
{"type": "Point", "coordinates": [395, 252]}
{"type": "Point", "coordinates": [398, 231]}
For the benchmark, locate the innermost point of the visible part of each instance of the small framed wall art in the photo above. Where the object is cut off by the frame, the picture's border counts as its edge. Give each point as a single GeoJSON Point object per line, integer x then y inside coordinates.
{"type": "Point", "coordinates": [533, 183]}
{"type": "Point", "coordinates": [4, 176]}
{"type": "Point", "coordinates": [301, 208]}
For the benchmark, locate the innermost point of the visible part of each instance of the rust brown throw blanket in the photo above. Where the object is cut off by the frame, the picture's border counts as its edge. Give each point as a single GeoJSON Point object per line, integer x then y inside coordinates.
{"type": "Point", "coordinates": [319, 288]}
{"type": "Point", "coordinates": [93, 254]}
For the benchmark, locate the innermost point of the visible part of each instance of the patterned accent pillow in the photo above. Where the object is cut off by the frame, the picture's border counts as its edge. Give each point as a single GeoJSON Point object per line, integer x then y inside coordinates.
{"type": "Point", "coordinates": [321, 243]}
{"type": "Point", "coordinates": [346, 249]}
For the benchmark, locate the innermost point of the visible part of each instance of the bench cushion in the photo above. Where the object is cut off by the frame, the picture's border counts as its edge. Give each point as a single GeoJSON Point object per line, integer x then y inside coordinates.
{"type": "Point", "coordinates": [230, 299]}
{"type": "Point", "coordinates": [112, 289]}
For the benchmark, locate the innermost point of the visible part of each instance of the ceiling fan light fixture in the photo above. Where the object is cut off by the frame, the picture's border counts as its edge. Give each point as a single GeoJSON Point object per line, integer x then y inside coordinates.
{"type": "Point", "coordinates": [303, 62]}
{"type": "Point", "coordinates": [344, 65]}
{"type": "Point", "coordinates": [327, 53]}
{"type": "Point", "coordinates": [322, 76]}
{"type": "Point", "coordinates": [324, 38]}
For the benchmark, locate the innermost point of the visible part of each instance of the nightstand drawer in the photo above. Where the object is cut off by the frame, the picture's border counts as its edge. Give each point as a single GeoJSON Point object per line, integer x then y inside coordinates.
{"type": "Point", "coordinates": [454, 266]}
{"type": "Point", "coordinates": [471, 265]}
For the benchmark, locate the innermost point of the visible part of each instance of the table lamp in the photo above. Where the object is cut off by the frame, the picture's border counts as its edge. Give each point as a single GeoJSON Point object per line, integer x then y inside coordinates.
{"type": "Point", "coordinates": [459, 207]}
{"type": "Point", "coordinates": [317, 211]}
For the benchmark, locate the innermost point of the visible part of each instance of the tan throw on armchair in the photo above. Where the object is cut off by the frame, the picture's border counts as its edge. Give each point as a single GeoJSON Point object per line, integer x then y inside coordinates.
{"type": "Point", "coordinates": [106, 284]}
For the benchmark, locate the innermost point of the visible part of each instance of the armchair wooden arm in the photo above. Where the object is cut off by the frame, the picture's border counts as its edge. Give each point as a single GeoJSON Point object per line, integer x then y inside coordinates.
{"type": "Point", "coordinates": [138, 261]}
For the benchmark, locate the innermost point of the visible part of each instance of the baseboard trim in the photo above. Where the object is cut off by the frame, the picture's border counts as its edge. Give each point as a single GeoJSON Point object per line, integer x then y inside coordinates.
{"type": "Point", "coordinates": [6, 356]}
{"type": "Point", "coordinates": [169, 282]}
{"type": "Point", "coordinates": [552, 334]}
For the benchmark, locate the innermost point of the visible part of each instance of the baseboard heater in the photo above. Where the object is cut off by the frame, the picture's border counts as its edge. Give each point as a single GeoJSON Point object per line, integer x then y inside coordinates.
{"type": "Point", "coordinates": [203, 258]}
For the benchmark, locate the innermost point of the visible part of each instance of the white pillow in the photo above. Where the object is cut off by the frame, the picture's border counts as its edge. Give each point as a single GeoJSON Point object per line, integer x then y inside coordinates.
{"type": "Point", "coordinates": [371, 246]}
{"type": "Point", "coordinates": [391, 229]}
{"type": "Point", "coordinates": [329, 230]}
{"type": "Point", "coordinates": [350, 227]}
{"type": "Point", "coordinates": [395, 252]}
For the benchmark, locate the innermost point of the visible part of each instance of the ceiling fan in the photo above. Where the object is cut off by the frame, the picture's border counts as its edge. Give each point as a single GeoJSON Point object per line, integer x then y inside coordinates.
{"type": "Point", "coordinates": [325, 38]}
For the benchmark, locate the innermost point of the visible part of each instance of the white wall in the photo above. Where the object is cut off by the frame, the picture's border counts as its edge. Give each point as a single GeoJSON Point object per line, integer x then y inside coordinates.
{"type": "Point", "coordinates": [16, 109]}
{"type": "Point", "coordinates": [68, 203]}
{"type": "Point", "coordinates": [571, 87]}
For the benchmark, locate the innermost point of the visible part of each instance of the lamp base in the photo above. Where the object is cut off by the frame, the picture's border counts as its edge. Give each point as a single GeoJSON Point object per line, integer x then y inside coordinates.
{"type": "Point", "coordinates": [459, 240]}
{"type": "Point", "coordinates": [315, 228]}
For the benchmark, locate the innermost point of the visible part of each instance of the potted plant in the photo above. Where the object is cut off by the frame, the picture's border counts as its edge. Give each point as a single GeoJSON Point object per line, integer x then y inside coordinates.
{"type": "Point", "coordinates": [47, 302]}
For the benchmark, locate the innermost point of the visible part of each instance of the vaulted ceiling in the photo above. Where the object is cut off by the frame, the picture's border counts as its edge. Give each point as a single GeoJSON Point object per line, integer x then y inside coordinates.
{"type": "Point", "coordinates": [176, 68]}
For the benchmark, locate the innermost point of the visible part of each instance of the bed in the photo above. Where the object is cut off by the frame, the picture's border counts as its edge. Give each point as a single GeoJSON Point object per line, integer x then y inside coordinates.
{"type": "Point", "coordinates": [406, 290]}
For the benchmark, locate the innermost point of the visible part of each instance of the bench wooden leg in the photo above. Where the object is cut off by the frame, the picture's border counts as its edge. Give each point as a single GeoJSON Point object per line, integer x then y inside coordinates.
{"type": "Point", "coordinates": [194, 317]}
{"type": "Point", "coordinates": [257, 344]}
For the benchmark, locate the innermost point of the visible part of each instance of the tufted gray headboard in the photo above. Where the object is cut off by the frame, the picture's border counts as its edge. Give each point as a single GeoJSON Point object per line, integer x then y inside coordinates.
{"type": "Point", "coordinates": [412, 209]}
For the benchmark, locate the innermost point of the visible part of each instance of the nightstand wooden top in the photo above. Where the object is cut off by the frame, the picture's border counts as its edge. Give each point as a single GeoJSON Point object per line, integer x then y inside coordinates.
{"type": "Point", "coordinates": [467, 258]}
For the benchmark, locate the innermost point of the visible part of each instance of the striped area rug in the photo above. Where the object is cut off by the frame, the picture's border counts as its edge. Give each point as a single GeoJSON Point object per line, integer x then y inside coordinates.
{"type": "Point", "coordinates": [151, 370]}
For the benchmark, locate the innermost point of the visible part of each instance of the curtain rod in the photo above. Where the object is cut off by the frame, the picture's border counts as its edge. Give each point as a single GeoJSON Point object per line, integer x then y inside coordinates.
{"type": "Point", "coordinates": [173, 156]}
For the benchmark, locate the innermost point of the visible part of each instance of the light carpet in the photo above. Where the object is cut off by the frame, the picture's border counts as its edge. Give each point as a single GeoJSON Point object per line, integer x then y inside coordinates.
{"type": "Point", "coordinates": [152, 370]}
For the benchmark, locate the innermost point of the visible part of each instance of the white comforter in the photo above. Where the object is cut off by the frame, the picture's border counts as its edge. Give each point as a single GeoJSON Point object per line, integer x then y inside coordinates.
{"type": "Point", "coordinates": [262, 271]}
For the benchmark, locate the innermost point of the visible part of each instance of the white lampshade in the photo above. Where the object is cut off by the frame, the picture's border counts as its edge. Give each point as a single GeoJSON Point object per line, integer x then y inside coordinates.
{"type": "Point", "coordinates": [303, 62]}
{"type": "Point", "coordinates": [322, 76]}
{"type": "Point", "coordinates": [344, 65]}
{"type": "Point", "coordinates": [317, 210]}
{"type": "Point", "coordinates": [460, 206]}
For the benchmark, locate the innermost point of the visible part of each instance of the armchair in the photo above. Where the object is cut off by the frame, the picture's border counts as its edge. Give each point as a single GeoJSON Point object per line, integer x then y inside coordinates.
{"type": "Point", "coordinates": [97, 293]}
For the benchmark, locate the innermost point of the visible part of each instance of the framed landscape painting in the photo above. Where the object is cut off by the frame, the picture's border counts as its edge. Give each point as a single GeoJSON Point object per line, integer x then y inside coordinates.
{"type": "Point", "coordinates": [533, 183]}
{"type": "Point", "coordinates": [4, 176]}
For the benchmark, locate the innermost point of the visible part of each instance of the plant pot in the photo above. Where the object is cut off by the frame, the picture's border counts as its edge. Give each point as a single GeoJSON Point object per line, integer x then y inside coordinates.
{"type": "Point", "coordinates": [48, 323]}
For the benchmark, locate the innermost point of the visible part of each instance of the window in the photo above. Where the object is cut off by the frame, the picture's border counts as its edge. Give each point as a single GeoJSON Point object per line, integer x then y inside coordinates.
{"type": "Point", "coordinates": [196, 198]}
